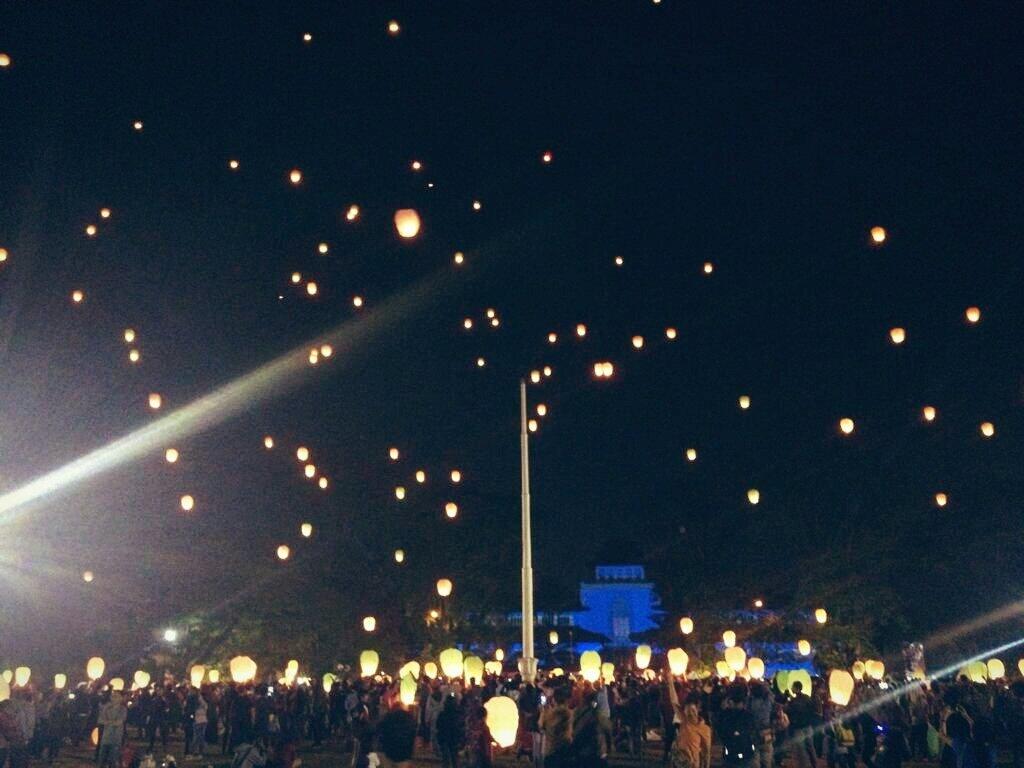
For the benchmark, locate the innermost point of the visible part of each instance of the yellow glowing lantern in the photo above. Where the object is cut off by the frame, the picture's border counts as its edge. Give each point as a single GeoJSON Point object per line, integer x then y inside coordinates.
{"type": "Point", "coordinates": [477, 205]}
{"type": "Point", "coordinates": [314, 357]}
{"type": "Point", "coordinates": [691, 454]}
{"type": "Point", "coordinates": [137, 125]}
{"type": "Point", "coordinates": [155, 401]}
{"type": "Point", "coordinates": [493, 668]}
{"type": "Point", "coordinates": [295, 176]}
{"type": "Point", "coordinates": [535, 377]}
{"type": "Point", "coordinates": [421, 476]}
{"type": "Point", "coordinates": [410, 668]}
{"type": "Point", "coordinates": [368, 662]}
{"type": "Point", "coordinates": [233, 164]}
{"type": "Point", "coordinates": [542, 409]}
{"type": "Point", "coordinates": [677, 661]}
{"type": "Point", "coordinates": [840, 686]}
{"type": "Point", "coordinates": [590, 666]}
{"type": "Point", "coordinates": [394, 28]}
{"type": "Point", "coordinates": [312, 288]}
{"type": "Point", "coordinates": [60, 680]}
{"type": "Point", "coordinates": [196, 675]}
{"type": "Point", "coordinates": [744, 402]}
{"type": "Point", "coordinates": [430, 670]}
{"type": "Point", "coordinates": [129, 335]}
{"type": "Point", "coordinates": [171, 455]}
{"type": "Point", "coordinates": [77, 296]}
{"type": "Point", "coordinates": [820, 615]}
{"type": "Point", "coordinates": [117, 684]}
{"type": "Point", "coordinates": [296, 278]}
{"type": "Point", "coordinates": [3, 255]}
{"type": "Point", "coordinates": [755, 667]}
{"type": "Point", "coordinates": [973, 314]}
{"type": "Point", "coordinates": [90, 230]}
{"type": "Point", "coordinates": [399, 556]}
{"type": "Point", "coordinates": [407, 691]}
{"type": "Point", "coordinates": [5, 60]}
{"type": "Point", "coordinates": [322, 482]}
{"type": "Point", "coordinates": [499, 654]}
{"type": "Point", "coordinates": [897, 335]}
{"type": "Point", "coordinates": [553, 637]}
{"type": "Point", "coordinates": [987, 428]}
{"type": "Point", "coordinates": [547, 371]}
{"type": "Point", "coordinates": [242, 668]}
{"type": "Point", "coordinates": [502, 720]}
{"type": "Point", "coordinates": [875, 669]}
{"type": "Point", "coordinates": [407, 222]}
{"type": "Point", "coordinates": [213, 676]}
{"type": "Point", "coordinates": [941, 499]}
{"type": "Point", "coordinates": [327, 681]}
{"type": "Point", "coordinates": [724, 670]}
{"type": "Point", "coordinates": [846, 426]}
{"type": "Point", "coordinates": [546, 157]}
{"type": "Point", "coordinates": [306, 529]}
{"type": "Point", "coordinates": [87, 576]}
{"type": "Point", "coordinates": [581, 330]}
{"type": "Point", "coordinates": [451, 510]}
{"type": "Point", "coordinates": [444, 587]}
{"type": "Point", "coordinates": [619, 261]}
{"type": "Point", "coordinates": [670, 334]}
{"type": "Point", "coordinates": [451, 662]}
{"type": "Point", "coordinates": [283, 552]}
{"type": "Point", "coordinates": [643, 656]}
{"type": "Point", "coordinates": [326, 350]}
{"type": "Point", "coordinates": [753, 496]}
{"type": "Point", "coordinates": [141, 679]}
{"type": "Point", "coordinates": [638, 342]}
{"type": "Point", "coordinates": [480, 362]}
{"type": "Point", "coordinates": [1020, 666]}
{"type": "Point", "coordinates": [803, 647]}
{"type": "Point", "coordinates": [187, 503]}
{"type": "Point", "coordinates": [134, 355]}
{"type": "Point", "coordinates": [473, 669]}
{"type": "Point", "coordinates": [686, 625]}
{"type": "Point", "coordinates": [859, 670]}
{"type": "Point", "coordinates": [393, 454]}
{"type": "Point", "coordinates": [456, 476]}
{"type": "Point", "coordinates": [352, 213]}
{"type": "Point", "coordinates": [608, 671]}
{"type": "Point", "coordinates": [459, 257]}
{"type": "Point", "coordinates": [878, 235]}
{"type": "Point", "coordinates": [708, 267]}
{"type": "Point", "coordinates": [532, 425]}
{"type": "Point", "coordinates": [552, 338]}
{"type": "Point", "coordinates": [322, 248]}
{"type": "Point", "coordinates": [369, 624]}
{"type": "Point", "coordinates": [7, 676]}
{"type": "Point", "coordinates": [996, 669]}
{"type": "Point", "coordinates": [736, 658]}
{"type": "Point", "coordinates": [399, 493]}
{"type": "Point", "coordinates": [21, 676]}
{"type": "Point", "coordinates": [928, 413]}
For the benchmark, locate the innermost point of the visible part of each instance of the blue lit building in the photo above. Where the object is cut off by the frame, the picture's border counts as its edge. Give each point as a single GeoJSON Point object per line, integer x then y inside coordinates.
{"type": "Point", "coordinates": [618, 603]}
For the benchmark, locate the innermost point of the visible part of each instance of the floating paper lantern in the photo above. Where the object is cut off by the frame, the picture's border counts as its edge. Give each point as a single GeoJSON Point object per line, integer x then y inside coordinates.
{"type": "Point", "coordinates": [369, 623]}
{"type": "Point", "coordinates": [243, 669]}
{"type": "Point", "coordinates": [196, 674]}
{"type": "Point", "coordinates": [677, 661]}
{"type": "Point", "coordinates": [3, 255]}
{"type": "Point", "coordinates": [542, 409]}
{"type": "Point", "coordinates": [5, 60]}
{"type": "Point", "coordinates": [171, 455]}
{"type": "Point", "coordinates": [283, 552]}
{"type": "Point", "coordinates": [875, 669]}
{"type": "Point", "coordinates": [451, 509]}
{"type": "Point", "coordinates": [394, 28]}
{"type": "Point", "coordinates": [493, 668]}
{"type": "Point", "coordinates": [393, 454]}
{"type": "Point", "coordinates": [724, 670]}
{"type": "Point", "coordinates": [430, 670]}
{"type": "Point", "coordinates": [670, 334]}
{"type": "Point", "coordinates": [421, 476]}
{"type": "Point", "coordinates": [604, 370]}
{"type": "Point", "coordinates": [134, 355]}
{"type": "Point", "coordinates": [859, 670]}
{"type": "Point", "coordinates": [897, 335]}
{"type": "Point", "coordinates": [312, 288]}
{"type": "Point", "coordinates": [547, 371]}
{"type": "Point", "coordinates": [976, 672]}
{"type": "Point", "coordinates": [581, 330]}
{"type": "Point", "coordinates": [90, 230]}
{"type": "Point", "coordinates": [987, 428]}
{"type": "Point", "coordinates": [755, 667]}
{"type": "Point", "coordinates": [291, 671]}
{"type": "Point", "coordinates": [137, 125]}
{"type": "Point", "coordinates": [352, 213]}
{"type": "Point", "coordinates": [608, 671]}
{"type": "Point", "coordinates": [129, 335]}
{"type": "Point", "coordinates": [480, 362]}
{"type": "Point", "coordinates": [638, 342]}
{"type": "Point", "coordinates": [407, 222]}
{"type": "Point", "coordinates": [306, 529]}
{"type": "Point", "coordinates": [213, 676]}
{"type": "Point", "coordinates": [410, 668]}
{"type": "Point", "coordinates": [141, 679]}
{"type": "Point", "coordinates": [21, 676]}
{"type": "Point", "coordinates": [326, 350]}
{"type": "Point", "coordinates": [996, 670]}
{"type": "Point", "coordinates": [322, 482]}
{"type": "Point", "coordinates": [691, 454]}
{"type": "Point", "coordinates": [535, 377]}
{"type": "Point", "coordinates": [117, 684]}
{"type": "Point", "coordinates": [736, 658]}
{"type": "Point", "coordinates": [708, 267]}
{"type": "Point", "coordinates": [803, 647]}
{"type": "Point", "coordinates": [477, 205]}
{"type": "Point", "coordinates": [744, 402]}
{"type": "Point", "coordinates": [77, 296]}
{"type": "Point", "coordinates": [451, 662]}
{"type": "Point", "coordinates": [399, 555]}
{"type": "Point", "coordinates": [686, 625]}
{"type": "Point", "coordinates": [295, 176]}
{"type": "Point", "coordinates": [928, 413]}
{"type": "Point", "coordinates": [643, 656]}
{"type": "Point", "coordinates": [368, 661]}
{"type": "Point", "coordinates": [846, 426]}
{"type": "Point", "coordinates": [878, 235]}
{"type": "Point", "coordinates": [753, 496]}
{"type": "Point", "coordinates": [801, 676]}
{"type": "Point", "coordinates": [444, 587]}
{"type": "Point", "coordinates": [87, 576]}
{"type": "Point", "coordinates": [590, 666]}
{"type": "Point", "coordinates": [60, 680]}
{"type": "Point", "coordinates": [973, 314]}
{"type": "Point", "coordinates": [820, 615]}
{"type": "Point", "coordinates": [499, 654]}
{"type": "Point", "coordinates": [532, 425]}
{"type": "Point", "coordinates": [7, 676]}
{"type": "Point", "coordinates": [459, 257]}
{"type": "Point", "coordinates": [1020, 666]}
{"type": "Point", "coordinates": [728, 638]}
{"type": "Point", "coordinates": [502, 720]}
{"type": "Point", "coordinates": [553, 637]}
{"type": "Point", "coordinates": [187, 502]}
{"type": "Point", "coordinates": [619, 261]}
{"type": "Point", "coordinates": [941, 499]}
{"type": "Point", "coordinates": [407, 691]}
{"type": "Point", "coordinates": [233, 164]}
{"type": "Point", "coordinates": [840, 686]}
{"type": "Point", "coordinates": [327, 682]}
{"type": "Point", "coordinates": [399, 493]}
{"type": "Point", "coordinates": [155, 401]}
{"type": "Point", "coordinates": [546, 157]}
{"type": "Point", "coordinates": [296, 278]}
{"type": "Point", "coordinates": [456, 476]}
{"type": "Point", "coordinates": [473, 669]}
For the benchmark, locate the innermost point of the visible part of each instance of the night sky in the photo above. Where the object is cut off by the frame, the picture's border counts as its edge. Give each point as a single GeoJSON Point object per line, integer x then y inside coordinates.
{"type": "Point", "coordinates": [763, 140]}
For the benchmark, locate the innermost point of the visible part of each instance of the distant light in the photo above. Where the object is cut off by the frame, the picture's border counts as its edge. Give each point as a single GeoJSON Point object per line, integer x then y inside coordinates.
{"type": "Point", "coordinates": [708, 267]}
{"type": "Point", "coordinates": [581, 330]}
{"type": "Point", "coordinates": [542, 410]}
{"type": "Point", "coordinates": [137, 125]}
{"type": "Point", "coordinates": [311, 288]}
{"type": "Point", "coordinates": [296, 278]}
{"type": "Point", "coordinates": [670, 334]}
{"type": "Point", "coordinates": [495, 322]}
{"type": "Point", "coordinates": [744, 402]}
{"type": "Point", "coordinates": [407, 223]}
{"type": "Point", "coordinates": [187, 503]}
{"type": "Point", "coordinates": [456, 476]}
{"type": "Point", "coordinates": [973, 314]}
{"type": "Point", "coordinates": [691, 454]}
{"type": "Point", "coordinates": [619, 261]}
{"type": "Point", "coordinates": [352, 213]}
{"type": "Point", "coordinates": [547, 157]}
{"type": "Point", "coordinates": [309, 471]}
{"type": "Point", "coordinates": [928, 413]}
{"type": "Point", "coordinates": [451, 510]}
{"type": "Point", "coordinates": [369, 624]}
{"type": "Point", "coordinates": [638, 342]}
{"type": "Point", "coordinates": [307, 38]}
{"type": "Point", "coordinates": [416, 165]}
{"type": "Point", "coordinates": [3, 255]}
{"type": "Point", "coordinates": [535, 377]}
{"type": "Point", "coordinates": [421, 476]}
{"type": "Point", "coordinates": [759, 603]}
{"type": "Point", "coordinates": [459, 257]}
{"type": "Point", "coordinates": [941, 499]}
{"type": "Point", "coordinates": [820, 615]}
{"type": "Point", "coordinates": [326, 350]}
{"type": "Point", "coordinates": [306, 529]}
{"type": "Point", "coordinates": [133, 355]}
{"type": "Point", "coordinates": [5, 60]}
{"type": "Point", "coordinates": [532, 425]}
{"type": "Point", "coordinates": [480, 362]}
{"type": "Point", "coordinates": [322, 248]}
{"type": "Point", "coordinates": [171, 455]}
{"type": "Point", "coordinates": [552, 338]}
{"type": "Point", "coordinates": [104, 213]}
{"type": "Point", "coordinates": [547, 371]}
{"type": "Point", "coordinates": [357, 301]}
{"type": "Point", "coordinates": [129, 335]}
{"type": "Point", "coordinates": [399, 556]}
{"type": "Point", "coordinates": [233, 164]}
{"type": "Point", "coordinates": [283, 552]}
{"type": "Point", "coordinates": [846, 426]}
{"type": "Point", "coordinates": [171, 635]}
{"type": "Point", "coordinates": [295, 176]}
{"type": "Point", "coordinates": [490, 313]}
{"type": "Point", "coordinates": [322, 482]}
{"type": "Point", "coordinates": [90, 230]}
{"type": "Point", "coordinates": [878, 235]}
{"type": "Point", "coordinates": [394, 28]}
{"type": "Point", "coordinates": [467, 323]}
{"type": "Point", "coordinates": [155, 401]}
{"type": "Point", "coordinates": [302, 453]}
{"type": "Point", "coordinates": [77, 296]}
{"type": "Point", "coordinates": [399, 493]}
{"type": "Point", "coordinates": [754, 496]}
{"type": "Point", "coordinates": [604, 370]}
{"type": "Point", "coordinates": [87, 577]}
{"type": "Point", "coordinates": [393, 454]}
{"type": "Point", "coordinates": [987, 428]}
{"type": "Point", "coordinates": [897, 335]}
{"type": "Point", "coordinates": [268, 442]}
{"type": "Point", "coordinates": [477, 205]}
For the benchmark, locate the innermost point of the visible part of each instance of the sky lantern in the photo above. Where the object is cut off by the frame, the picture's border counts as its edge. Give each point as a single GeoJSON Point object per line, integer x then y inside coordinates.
{"type": "Point", "coordinates": [987, 428]}
{"type": "Point", "coordinates": [129, 335]}
{"type": "Point", "coordinates": [547, 371]}
{"type": "Point", "coordinates": [643, 656]}
{"type": "Point", "coordinates": [897, 335]}
{"type": "Point", "coordinates": [546, 157]}
{"type": "Point", "coordinates": [724, 670]}
{"type": "Point", "coordinates": [502, 720]}
{"type": "Point", "coordinates": [820, 615]}
{"type": "Point", "coordinates": [744, 402]}
{"type": "Point", "coordinates": [803, 647]}
{"type": "Point", "coordinates": [399, 493]}
{"type": "Point", "coordinates": [444, 587]}
{"type": "Point", "coordinates": [480, 362]}
{"type": "Point", "coordinates": [552, 338]}
{"type": "Point", "coordinates": [728, 638]}
{"type": "Point", "coordinates": [840, 686]}
{"type": "Point", "coordinates": [368, 662]}
{"type": "Point", "coordinates": [459, 257]}
{"type": "Point", "coordinates": [3, 255]}
{"type": "Point", "coordinates": [393, 454]}
{"type": "Point", "coordinates": [878, 235]}
{"type": "Point", "coordinates": [394, 28]}
{"type": "Point", "coordinates": [233, 164]}
{"type": "Point", "coordinates": [542, 409]}
{"type": "Point", "coordinates": [736, 658]}
{"type": "Point", "coordinates": [268, 442]}
{"type": "Point", "coordinates": [306, 529]}
{"type": "Point", "coordinates": [352, 213]}
{"type": "Point", "coordinates": [755, 667]}
{"type": "Point", "coordinates": [141, 679]}
{"type": "Point", "coordinates": [87, 576]}
{"type": "Point", "coordinates": [291, 671]}
{"type": "Point", "coordinates": [283, 552]}
{"type": "Point", "coordinates": [295, 176]}
{"type": "Point", "coordinates": [677, 661]}
{"type": "Point", "coordinates": [104, 213]}
{"type": "Point", "coordinates": [493, 667]}
{"type": "Point", "coordinates": [451, 510]}
{"type": "Point", "coordinates": [309, 471]}
{"type": "Point", "coordinates": [421, 476]}
{"type": "Point", "coordinates": [1020, 666]}
{"type": "Point", "coordinates": [187, 502]}
{"type": "Point", "coordinates": [846, 426]}
{"type": "Point", "coordinates": [686, 625]}
{"type": "Point", "coordinates": [973, 315]}
{"type": "Point", "coordinates": [326, 350]}
{"type": "Point", "coordinates": [608, 671]}
{"type": "Point", "coordinates": [60, 680]}
{"type": "Point", "coordinates": [858, 669]}
{"type": "Point", "coordinates": [399, 555]}
{"type": "Point", "coordinates": [532, 425]}
{"type": "Point", "coordinates": [451, 662]}
{"type": "Point", "coordinates": [553, 637]}
{"type": "Point", "coordinates": [369, 624]}
{"type": "Point", "coordinates": [477, 205]}
{"type": "Point", "coordinates": [430, 670]}
{"type": "Point", "coordinates": [5, 60]}
{"type": "Point", "coordinates": [77, 296]}
{"type": "Point", "coordinates": [137, 125]}
{"type": "Point", "coordinates": [407, 223]}
{"type": "Point", "coordinates": [670, 334]}
{"type": "Point", "coordinates": [196, 674]}
{"type": "Point", "coordinates": [759, 603]}
{"type": "Point", "coordinates": [754, 496]}
{"type": "Point", "coordinates": [311, 288]}
{"type": "Point", "coordinates": [322, 248]}
{"type": "Point", "coordinates": [638, 342]}
{"type": "Point", "coordinates": [322, 482]}
{"type": "Point", "coordinates": [407, 690]}
{"type": "Point", "coordinates": [691, 454]}
{"type": "Point", "coordinates": [171, 455]}
{"type": "Point", "coordinates": [875, 669]}
{"type": "Point", "coordinates": [296, 278]}
{"type": "Point", "coordinates": [21, 676]}
{"type": "Point", "coordinates": [327, 682]}
{"type": "Point", "coordinates": [133, 355]}
{"type": "Point", "coordinates": [155, 401]}
{"type": "Point", "coordinates": [214, 676]}
{"type": "Point", "coordinates": [619, 261]}
{"type": "Point", "coordinates": [473, 669]}
{"type": "Point", "coordinates": [117, 684]}
{"type": "Point", "coordinates": [456, 476]}
{"type": "Point", "coordinates": [996, 670]}
{"type": "Point", "coordinates": [941, 499]}
{"type": "Point", "coordinates": [581, 330]}
{"type": "Point", "coordinates": [604, 370]}
{"type": "Point", "coordinates": [90, 230]}
{"type": "Point", "coordinates": [590, 666]}
{"type": "Point", "coordinates": [535, 377]}
{"type": "Point", "coordinates": [467, 323]}
{"type": "Point", "coordinates": [314, 356]}
{"type": "Point", "coordinates": [928, 413]}
{"type": "Point", "coordinates": [94, 668]}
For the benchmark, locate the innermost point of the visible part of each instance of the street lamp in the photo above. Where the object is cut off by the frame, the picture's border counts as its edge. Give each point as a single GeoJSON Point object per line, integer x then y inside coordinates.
{"type": "Point", "coordinates": [527, 662]}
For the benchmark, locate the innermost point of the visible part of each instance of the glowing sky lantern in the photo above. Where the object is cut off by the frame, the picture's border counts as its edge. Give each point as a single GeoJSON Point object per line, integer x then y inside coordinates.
{"type": "Point", "coordinates": [233, 164]}
{"type": "Point", "coordinates": [608, 671]}
{"type": "Point", "coordinates": [78, 296]}
{"type": "Point", "coordinates": [744, 402]}
{"type": "Point", "coordinates": [532, 425]}
{"type": "Point", "coordinates": [155, 401]}
{"type": "Point", "coordinates": [296, 278]}
{"type": "Point", "coordinates": [987, 428]}
{"type": "Point", "coordinates": [187, 502]}
{"type": "Point", "coordinates": [451, 510]}
{"type": "Point", "coordinates": [859, 670]}
{"type": "Point", "coordinates": [638, 342]}
{"type": "Point", "coordinates": [399, 555]}
{"type": "Point", "coordinates": [368, 662]}
{"type": "Point", "coordinates": [590, 666]}
{"type": "Point", "coordinates": [728, 638]}
{"type": "Point", "coordinates": [5, 60]}
{"type": "Point", "coordinates": [670, 334]}
{"type": "Point", "coordinates": [327, 682]}
{"type": "Point", "coordinates": [137, 125]}
{"type": "Point", "coordinates": [322, 248]}
{"type": "Point", "coordinates": [352, 213]}
{"type": "Point", "coordinates": [459, 257]}
{"type": "Point", "coordinates": [3, 255]}
{"type": "Point", "coordinates": [283, 552]}
{"type": "Point", "coordinates": [87, 576]}
{"type": "Point", "coordinates": [295, 176]}
{"type": "Point", "coordinates": [928, 413]}
{"type": "Point", "coordinates": [451, 662]}
{"type": "Point", "coordinates": [134, 355]}
{"type": "Point", "coordinates": [477, 205]}
{"type": "Point", "coordinates": [399, 493]}
{"type": "Point", "coordinates": [444, 587]}
{"type": "Point", "coordinates": [394, 28]}
{"type": "Point", "coordinates": [129, 335]}
{"type": "Point", "coordinates": [581, 330]}
{"type": "Point", "coordinates": [973, 314]}
{"type": "Point", "coordinates": [553, 637]}
{"type": "Point", "coordinates": [619, 261]}
{"type": "Point", "coordinates": [493, 667]}
{"type": "Point", "coordinates": [643, 656]}
{"type": "Point", "coordinates": [535, 377]}
{"type": "Point", "coordinates": [7, 676]}
{"type": "Point", "coordinates": [456, 476]}
{"type": "Point", "coordinates": [171, 455]}
{"type": "Point", "coordinates": [708, 267]}
{"type": "Point", "coordinates": [754, 496]}
{"type": "Point", "coordinates": [724, 670]}
{"type": "Point", "coordinates": [547, 157]}
{"type": "Point", "coordinates": [878, 235]}
{"type": "Point", "coordinates": [306, 529]}
{"type": "Point", "coordinates": [686, 625]}
{"type": "Point", "coordinates": [196, 674]}
{"type": "Point", "coordinates": [677, 661]}
{"type": "Point", "coordinates": [473, 669]}
{"type": "Point", "coordinates": [691, 454]}
{"type": "Point", "coordinates": [547, 371]}
{"type": "Point", "coordinates": [846, 426]}
{"type": "Point", "coordinates": [243, 669]}
{"type": "Point", "coordinates": [897, 335]}
{"type": "Point", "coordinates": [502, 720]}
{"type": "Point", "coordinates": [759, 603]}
{"type": "Point", "coordinates": [603, 370]}
{"type": "Point", "coordinates": [105, 213]}
{"type": "Point", "coordinates": [94, 668]}
{"type": "Point", "coordinates": [1020, 666]}
{"type": "Point", "coordinates": [393, 454]}
{"type": "Point", "coordinates": [326, 350]}
{"type": "Point", "coordinates": [840, 686]}
{"type": "Point", "coordinates": [996, 670]}
{"type": "Point", "coordinates": [803, 647]}
{"type": "Point", "coordinates": [357, 301]}
{"type": "Point", "coordinates": [421, 476]}
{"type": "Point", "coordinates": [430, 670]}
{"type": "Point", "coordinates": [542, 409]}
{"type": "Point", "coordinates": [322, 482]}
{"type": "Point", "coordinates": [480, 362]}
{"type": "Point", "coordinates": [214, 676]}
{"type": "Point", "coordinates": [60, 680]}
{"type": "Point", "coordinates": [314, 357]}
{"type": "Point", "coordinates": [312, 288]}
{"type": "Point", "coordinates": [875, 669]}
{"type": "Point", "coordinates": [820, 615]}
{"type": "Point", "coordinates": [117, 684]}
{"type": "Point", "coordinates": [736, 658]}
{"type": "Point", "coordinates": [369, 623]}
{"type": "Point", "coordinates": [21, 676]}
{"type": "Point", "coordinates": [407, 690]}
{"type": "Point", "coordinates": [407, 223]}
{"type": "Point", "coordinates": [552, 338]}
{"type": "Point", "coordinates": [90, 230]}
{"type": "Point", "coordinates": [941, 499]}
{"type": "Point", "coordinates": [755, 667]}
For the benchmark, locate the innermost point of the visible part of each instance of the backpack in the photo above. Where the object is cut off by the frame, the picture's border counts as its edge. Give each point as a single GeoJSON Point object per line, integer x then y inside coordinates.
{"type": "Point", "coordinates": [845, 736]}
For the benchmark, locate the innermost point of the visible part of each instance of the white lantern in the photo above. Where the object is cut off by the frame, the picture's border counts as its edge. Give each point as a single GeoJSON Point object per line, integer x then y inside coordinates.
{"type": "Point", "coordinates": [94, 668]}
{"type": "Point", "coordinates": [451, 662]}
{"type": "Point", "coordinates": [407, 223]}
{"type": "Point", "coordinates": [643, 656]}
{"type": "Point", "coordinates": [196, 675]}
{"type": "Point", "coordinates": [502, 720]}
{"type": "Point", "coordinates": [590, 666]}
{"type": "Point", "coordinates": [736, 658]}
{"type": "Point", "coordinates": [21, 676]}
{"type": "Point", "coordinates": [444, 587]}
{"type": "Point", "coordinates": [677, 661]}
{"type": "Point", "coordinates": [141, 679]}
{"type": "Point", "coordinates": [368, 662]}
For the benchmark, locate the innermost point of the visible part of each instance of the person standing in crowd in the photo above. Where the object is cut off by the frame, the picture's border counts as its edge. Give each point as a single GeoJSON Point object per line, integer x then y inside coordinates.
{"type": "Point", "coordinates": [556, 727]}
{"type": "Point", "coordinates": [112, 717]}
{"type": "Point", "coordinates": [448, 733]}
{"type": "Point", "coordinates": [396, 736]}
{"type": "Point", "coordinates": [199, 720]}
{"type": "Point", "coordinates": [737, 730]}
{"type": "Point", "coordinates": [589, 729]}
{"type": "Point", "coordinates": [761, 709]}
{"type": "Point", "coordinates": [11, 737]}
{"type": "Point", "coordinates": [801, 714]}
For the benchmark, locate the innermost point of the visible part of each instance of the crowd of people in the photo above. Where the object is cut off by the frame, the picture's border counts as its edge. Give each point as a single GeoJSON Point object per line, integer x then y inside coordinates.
{"type": "Point", "coordinates": [564, 722]}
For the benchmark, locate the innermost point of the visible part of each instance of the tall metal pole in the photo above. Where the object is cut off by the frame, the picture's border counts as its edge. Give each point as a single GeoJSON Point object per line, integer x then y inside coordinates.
{"type": "Point", "coordinates": [527, 662]}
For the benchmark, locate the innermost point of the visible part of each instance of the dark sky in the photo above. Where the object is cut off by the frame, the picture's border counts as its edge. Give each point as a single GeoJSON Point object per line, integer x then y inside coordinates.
{"type": "Point", "coordinates": [763, 139]}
